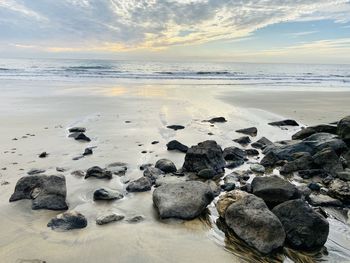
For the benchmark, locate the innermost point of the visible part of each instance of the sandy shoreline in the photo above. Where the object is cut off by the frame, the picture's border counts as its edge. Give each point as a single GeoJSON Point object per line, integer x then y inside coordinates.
{"type": "Point", "coordinates": [48, 109]}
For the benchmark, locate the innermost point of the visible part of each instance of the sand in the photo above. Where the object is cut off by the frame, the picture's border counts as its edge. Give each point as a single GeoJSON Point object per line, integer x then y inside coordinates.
{"type": "Point", "coordinates": [47, 109]}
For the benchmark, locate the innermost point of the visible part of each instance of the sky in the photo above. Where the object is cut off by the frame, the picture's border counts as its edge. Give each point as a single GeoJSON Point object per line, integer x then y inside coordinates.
{"type": "Point", "coordinates": [288, 31]}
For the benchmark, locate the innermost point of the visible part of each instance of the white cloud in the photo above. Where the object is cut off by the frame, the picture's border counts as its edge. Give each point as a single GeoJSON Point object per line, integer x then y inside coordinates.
{"type": "Point", "coordinates": [156, 24]}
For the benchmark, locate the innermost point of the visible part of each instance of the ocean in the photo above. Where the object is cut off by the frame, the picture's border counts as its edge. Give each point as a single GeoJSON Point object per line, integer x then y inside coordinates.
{"type": "Point", "coordinates": [211, 72]}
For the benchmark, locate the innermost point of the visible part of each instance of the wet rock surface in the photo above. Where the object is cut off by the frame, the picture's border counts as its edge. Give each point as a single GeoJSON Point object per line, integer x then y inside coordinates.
{"type": "Point", "coordinates": [68, 221]}
{"type": "Point", "coordinates": [252, 131]}
{"type": "Point", "coordinates": [176, 145]}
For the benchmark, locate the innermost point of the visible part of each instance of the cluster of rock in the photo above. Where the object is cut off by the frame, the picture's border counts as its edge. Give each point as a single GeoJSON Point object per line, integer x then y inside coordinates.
{"type": "Point", "coordinates": [267, 212]}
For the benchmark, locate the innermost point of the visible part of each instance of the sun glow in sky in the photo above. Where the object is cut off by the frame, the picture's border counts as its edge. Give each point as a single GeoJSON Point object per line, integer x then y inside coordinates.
{"type": "Point", "coordinates": [308, 31]}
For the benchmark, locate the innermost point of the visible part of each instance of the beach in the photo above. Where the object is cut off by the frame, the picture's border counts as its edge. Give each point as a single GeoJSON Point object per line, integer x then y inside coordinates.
{"type": "Point", "coordinates": [123, 117]}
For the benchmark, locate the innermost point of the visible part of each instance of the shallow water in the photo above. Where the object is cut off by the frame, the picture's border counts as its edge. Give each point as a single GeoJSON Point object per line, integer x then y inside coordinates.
{"type": "Point", "coordinates": [47, 109]}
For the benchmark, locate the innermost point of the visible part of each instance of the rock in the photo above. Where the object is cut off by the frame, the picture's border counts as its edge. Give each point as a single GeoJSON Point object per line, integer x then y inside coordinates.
{"type": "Point", "coordinates": [217, 119]}
{"type": "Point", "coordinates": [258, 168]}
{"type": "Point", "coordinates": [262, 143]}
{"type": "Point", "coordinates": [284, 123]}
{"type": "Point", "coordinates": [306, 132]}
{"type": "Point", "coordinates": [35, 171]}
{"type": "Point", "coordinates": [305, 228]}
{"type": "Point", "coordinates": [206, 173]}
{"type": "Point", "coordinates": [61, 169]}
{"type": "Point", "coordinates": [252, 131]}
{"type": "Point", "coordinates": [304, 190]}
{"type": "Point", "coordinates": [166, 166]}
{"type": "Point", "coordinates": [252, 152]}
{"type": "Point", "coordinates": [79, 136]}
{"type": "Point", "coordinates": [68, 221]}
{"type": "Point", "coordinates": [98, 172]}
{"type": "Point", "coordinates": [140, 185]}
{"type": "Point", "coordinates": [269, 160]}
{"type": "Point", "coordinates": [152, 173]}
{"type": "Point", "coordinates": [47, 192]}
{"type": "Point", "coordinates": [307, 174]}
{"type": "Point", "coordinates": [87, 151]}
{"type": "Point", "coordinates": [227, 199]}
{"type": "Point", "coordinates": [106, 219]}
{"type": "Point", "coordinates": [79, 173]}
{"type": "Point", "coordinates": [311, 144]}
{"type": "Point", "coordinates": [215, 188]}
{"type": "Point", "coordinates": [43, 155]}
{"type": "Point", "coordinates": [255, 224]}
{"type": "Point", "coordinates": [234, 154]}
{"type": "Point", "coordinates": [176, 145]}
{"type": "Point", "coordinates": [155, 142]}
{"type": "Point", "coordinates": [343, 129]}
{"type": "Point", "coordinates": [323, 200]}
{"type": "Point", "coordinates": [245, 140]}
{"type": "Point", "coordinates": [205, 155]}
{"type": "Point", "coordinates": [340, 189]}
{"type": "Point", "coordinates": [135, 219]}
{"type": "Point", "coordinates": [274, 190]}
{"type": "Point", "coordinates": [345, 175]}
{"type": "Point", "coordinates": [176, 127]}
{"type": "Point", "coordinates": [117, 168]}
{"type": "Point", "coordinates": [186, 200]}
{"type": "Point", "coordinates": [76, 129]}
{"type": "Point", "coordinates": [230, 181]}
{"type": "Point", "coordinates": [107, 194]}
{"type": "Point", "coordinates": [328, 160]}
{"type": "Point", "coordinates": [314, 186]}
{"type": "Point", "coordinates": [144, 166]}
{"type": "Point", "coordinates": [301, 161]}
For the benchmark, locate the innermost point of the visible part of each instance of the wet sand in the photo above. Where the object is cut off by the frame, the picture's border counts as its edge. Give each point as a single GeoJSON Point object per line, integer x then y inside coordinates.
{"type": "Point", "coordinates": [47, 109]}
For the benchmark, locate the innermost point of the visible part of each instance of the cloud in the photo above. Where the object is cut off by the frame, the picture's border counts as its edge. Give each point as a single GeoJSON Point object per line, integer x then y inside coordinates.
{"type": "Point", "coordinates": [121, 25]}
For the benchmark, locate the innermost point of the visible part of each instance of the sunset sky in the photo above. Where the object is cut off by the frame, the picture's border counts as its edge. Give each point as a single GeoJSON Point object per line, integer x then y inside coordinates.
{"type": "Point", "coordinates": [308, 31]}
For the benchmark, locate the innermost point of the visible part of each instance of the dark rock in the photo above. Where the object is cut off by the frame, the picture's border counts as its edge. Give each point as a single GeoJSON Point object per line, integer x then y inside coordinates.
{"type": "Point", "coordinates": [344, 129]}
{"type": "Point", "coordinates": [166, 166]}
{"type": "Point", "coordinates": [269, 160]}
{"type": "Point", "coordinates": [106, 219]}
{"type": "Point", "coordinates": [252, 131]}
{"type": "Point", "coordinates": [176, 127]}
{"type": "Point", "coordinates": [176, 145]}
{"type": "Point", "coordinates": [306, 132]}
{"type": "Point", "coordinates": [79, 136]}
{"type": "Point", "coordinates": [152, 173]}
{"type": "Point", "coordinates": [305, 228]}
{"type": "Point", "coordinates": [98, 172]}
{"type": "Point", "coordinates": [135, 219]}
{"type": "Point", "coordinates": [47, 192]}
{"type": "Point", "coordinates": [234, 154]}
{"type": "Point", "coordinates": [43, 155]}
{"type": "Point", "coordinates": [217, 119]}
{"type": "Point", "coordinates": [328, 160]}
{"type": "Point", "coordinates": [307, 174]}
{"type": "Point", "coordinates": [301, 161]}
{"type": "Point", "coordinates": [87, 151]}
{"type": "Point", "coordinates": [185, 200]}
{"type": "Point", "coordinates": [107, 194]}
{"type": "Point", "coordinates": [144, 166]}
{"type": "Point", "coordinates": [79, 173]}
{"type": "Point", "coordinates": [284, 123]}
{"type": "Point", "coordinates": [35, 171]}
{"type": "Point", "coordinates": [76, 129]}
{"type": "Point", "coordinates": [340, 189]}
{"type": "Point", "coordinates": [118, 168]}
{"type": "Point", "coordinates": [155, 142]}
{"type": "Point", "coordinates": [257, 168]}
{"type": "Point", "coordinates": [252, 152]}
{"type": "Point", "coordinates": [68, 221]}
{"type": "Point", "coordinates": [314, 186]}
{"type": "Point", "coordinates": [323, 200]}
{"type": "Point", "coordinates": [140, 185]}
{"type": "Point", "coordinates": [345, 175]}
{"type": "Point", "coordinates": [61, 169]}
{"type": "Point", "coordinates": [254, 223]}
{"type": "Point", "coordinates": [262, 143]}
{"type": "Point", "coordinates": [206, 173]}
{"type": "Point", "coordinates": [230, 181]}
{"type": "Point", "coordinates": [274, 190]}
{"type": "Point", "coordinates": [205, 155]}
{"type": "Point", "coordinates": [245, 140]}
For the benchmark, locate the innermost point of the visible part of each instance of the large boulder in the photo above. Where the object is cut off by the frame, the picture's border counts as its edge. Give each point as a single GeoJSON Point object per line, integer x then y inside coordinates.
{"type": "Point", "coordinates": [262, 143]}
{"type": "Point", "coordinates": [340, 189]}
{"type": "Point", "coordinates": [323, 200]}
{"type": "Point", "coordinates": [140, 185]}
{"type": "Point", "coordinates": [68, 221]}
{"type": "Point", "coordinates": [306, 132]}
{"type": "Point", "coordinates": [253, 222]}
{"type": "Point", "coordinates": [344, 129]}
{"type": "Point", "coordinates": [301, 161]}
{"type": "Point", "coordinates": [227, 199]}
{"type": "Point", "coordinates": [274, 190]}
{"type": "Point", "coordinates": [47, 192]}
{"type": "Point", "coordinates": [305, 228]}
{"type": "Point", "coordinates": [328, 160]}
{"type": "Point", "coordinates": [205, 155]}
{"type": "Point", "coordinates": [185, 200]}
{"type": "Point", "coordinates": [166, 166]}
